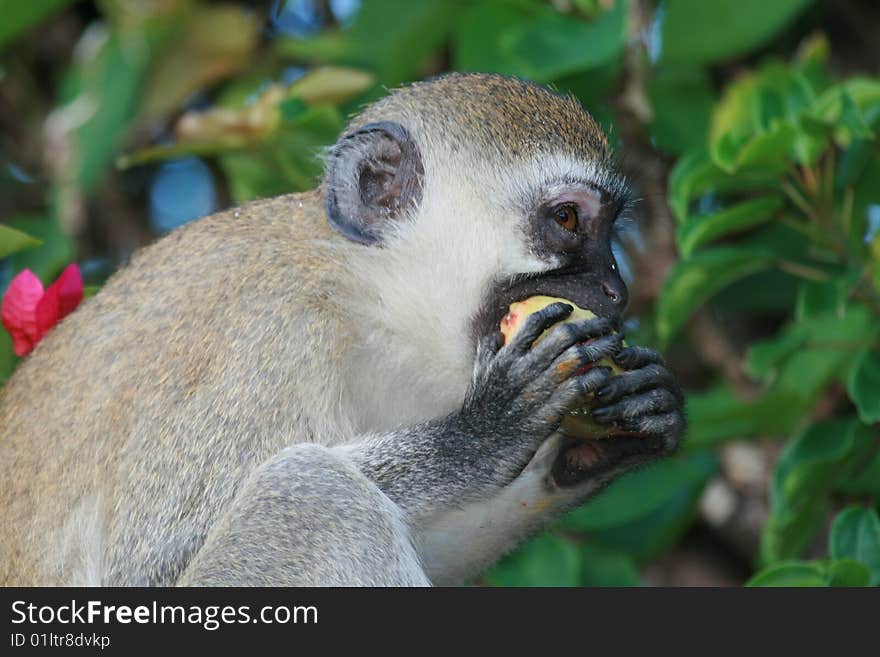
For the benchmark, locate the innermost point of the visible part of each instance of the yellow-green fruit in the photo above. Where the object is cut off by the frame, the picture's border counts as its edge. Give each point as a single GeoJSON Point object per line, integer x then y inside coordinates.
{"type": "Point", "coordinates": [579, 422]}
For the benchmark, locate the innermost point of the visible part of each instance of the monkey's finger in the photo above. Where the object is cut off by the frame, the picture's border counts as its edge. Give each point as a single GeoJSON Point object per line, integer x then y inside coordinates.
{"type": "Point", "coordinates": [575, 358]}
{"type": "Point", "coordinates": [627, 383]}
{"type": "Point", "coordinates": [487, 348]}
{"type": "Point", "coordinates": [669, 426]}
{"type": "Point", "coordinates": [653, 402]}
{"type": "Point", "coordinates": [574, 391]}
{"type": "Point", "coordinates": [543, 399]}
{"type": "Point", "coordinates": [630, 358]}
{"type": "Point", "coordinates": [563, 337]}
{"type": "Point", "coordinates": [536, 323]}
{"type": "Point", "coordinates": [546, 418]}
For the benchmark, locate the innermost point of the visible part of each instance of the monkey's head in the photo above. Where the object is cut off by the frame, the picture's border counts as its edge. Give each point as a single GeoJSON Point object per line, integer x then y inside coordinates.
{"type": "Point", "coordinates": [477, 191]}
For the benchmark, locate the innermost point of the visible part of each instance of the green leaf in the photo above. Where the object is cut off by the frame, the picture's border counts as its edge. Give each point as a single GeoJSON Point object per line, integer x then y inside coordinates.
{"type": "Point", "coordinates": [844, 572]}
{"type": "Point", "coordinates": [646, 538]}
{"type": "Point", "coordinates": [535, 42]}
{"type": "Point", "coordinates": [848, 572]}
{"type": "Point", "coordinates": [692, 175]}
{"type": "Point", "coordinates": [718, 414]}
{"type": "Point", "coordinates": [865, 479]}
{"type": "Point", "coordinates": [863, 386]}
{"type": "Point", "coordinates": [291, 109]}
{"type": "Point", "coordinates": [804, 358]}
{"type": "Point", "coordinates": [812, 62]}
{"type": "Point", "coordinates": [768, 293]}
{"type": "Point", "coordinates": [864, 180]}
{"type": "Point", "coordinates": [767, 151]}
{"type": "Point", "coordinates": [544, 561]}
{"type": "Point", "coordinates": [821, 311]}
{"type": "Point", "coordinates": [666, 509]}
{"type": "Point", "coordinates": [811, 140]}
{"type": "Point", "coordinates": [8, 359]}
{"type": "Point", "coordinates": [852, 125]}
{"type": "Point", "coordinates": [639, 493]}
{"type": "Point", "coordinates": [55, 253]}
{"type": "Point", "coordinates": [216, 43]}
{"type": "Point", "coordinates": [697, 231]}
{"type": "Point", "coordinates": [601, 566]}
{"type": "Point", "coordinates": [696, 279]}
{"type": "Point", "coordinates": [834, 342]}
{"type": "Point", "coordinates": [100, 94]}
{"type": "Point", "coordinates": [814, 460]}
{"type": "Point", "coordinates": [682, 100]}
{"type": "Point", "coordinates": [696, 174]}
{"type": "Point", "coordinates": [479, 34]}
{"type": "Point", "coordinates": [12, 240]}
{"type": "Point", "coordinates": [855, 534]}
{"type": "Point", "coordinates": [863, 93]}
{"type": "Point", "coordinates": [816, 298]}
{"type": "Point", "coordinates": [700, 31]}
{"type": "Point", "coordinates": [275, 114]}
{"type": "Point", "coordinates": [20, 16]}
{"type": "Point", "coordinates": [392, 39]}
{"type": "Point", "coordinates": [554, 45]}
{"type": "Point", "coordinates": [330, 84]}
{"type": "Point", "coordinates": [764, 358]}
{"type": "Point", "coordinates": [807, 471]}
{"type": "Point", "coordinates": [288, 162]}
{"type": "Point", "coordinates": [755, 125]}
{"type": "Point", "coordinates": [791, 573]}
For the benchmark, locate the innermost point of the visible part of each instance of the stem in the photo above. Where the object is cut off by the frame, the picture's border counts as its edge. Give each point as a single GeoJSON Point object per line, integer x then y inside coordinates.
{"type": "Point", "coordinates": [846, 210]}
{"type": "Point", "coordinates": [802, 203]}
{"type": "Point", "coordinates": [810, 181]}
{"type": "Point", "coordinates": [828, 179]}
{"type": "Point", "coordinates": [803, 271]}
{"type": "Point", "coordinates": [807, 231]}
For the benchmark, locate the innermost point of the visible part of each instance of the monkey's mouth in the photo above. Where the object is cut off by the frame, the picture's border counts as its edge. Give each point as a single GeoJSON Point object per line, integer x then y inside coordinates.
{"type": "Point", "coordinates": [580, 459]}
{"type": "Point", "coordinates": [575, 288]}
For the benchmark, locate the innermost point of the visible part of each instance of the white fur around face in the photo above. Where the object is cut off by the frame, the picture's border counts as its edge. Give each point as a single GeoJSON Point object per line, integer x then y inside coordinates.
{"type": "Point", "coordinates": [540, 178]}
{"type": "Point", "coordinates": [420, 290]}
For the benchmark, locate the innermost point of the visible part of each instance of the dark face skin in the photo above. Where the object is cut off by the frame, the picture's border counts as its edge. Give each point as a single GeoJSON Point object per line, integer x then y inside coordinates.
{"type": "Point", "coordinates": [573, 224]}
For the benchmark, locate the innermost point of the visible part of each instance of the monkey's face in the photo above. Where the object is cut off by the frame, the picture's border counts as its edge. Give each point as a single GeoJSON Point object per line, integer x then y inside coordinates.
{"type": "Point", "coordinates": [471, 209]}
{"type": "Point", "coordinates": [565, 212]}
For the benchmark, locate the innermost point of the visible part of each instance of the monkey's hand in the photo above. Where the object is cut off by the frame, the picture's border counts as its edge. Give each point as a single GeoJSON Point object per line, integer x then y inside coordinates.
{"type": "Point", "coordinates": [519, 394]}
{"type": "Point", "coordinates": [515, 401]}
{"type": "Point", "coordinates": [644, 406]}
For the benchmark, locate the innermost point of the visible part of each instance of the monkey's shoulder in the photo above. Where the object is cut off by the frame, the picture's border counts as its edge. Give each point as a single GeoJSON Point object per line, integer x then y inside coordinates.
{"type": "Point", "coordinates": [247, 271]}
{"type": "Point", "coordinates": [257, 244]}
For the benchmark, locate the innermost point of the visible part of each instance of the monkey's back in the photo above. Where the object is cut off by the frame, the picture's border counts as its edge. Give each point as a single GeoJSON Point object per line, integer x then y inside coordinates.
{"type": "Point", "coordinates": [203, 333]}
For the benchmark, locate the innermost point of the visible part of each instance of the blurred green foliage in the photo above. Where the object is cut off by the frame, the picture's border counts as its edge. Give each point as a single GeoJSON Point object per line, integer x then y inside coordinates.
{"type": "Point", "coordinates": [773, 190]}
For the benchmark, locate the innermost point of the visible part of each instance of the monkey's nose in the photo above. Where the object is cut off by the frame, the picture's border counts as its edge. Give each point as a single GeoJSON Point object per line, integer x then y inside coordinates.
{"type": "Point", "coordinates": [614, 291]}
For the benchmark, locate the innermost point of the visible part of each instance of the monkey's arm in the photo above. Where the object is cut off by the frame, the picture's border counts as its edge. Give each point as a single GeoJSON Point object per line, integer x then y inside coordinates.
{"type": "Point", "coordinates": [516, 400]}
{"type": "Point", "coordinates": [307, 517]}
{"type": "Point", "coordinates": [646, 403]}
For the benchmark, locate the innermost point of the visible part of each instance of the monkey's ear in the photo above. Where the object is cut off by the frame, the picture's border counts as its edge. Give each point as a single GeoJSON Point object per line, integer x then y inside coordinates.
{"type": "Point", "coordinates": [374, 175]}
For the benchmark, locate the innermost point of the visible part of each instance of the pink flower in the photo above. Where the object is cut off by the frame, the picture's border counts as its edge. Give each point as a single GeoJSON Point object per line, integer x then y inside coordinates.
{"type": "Point", "coordinates": [29, 312]}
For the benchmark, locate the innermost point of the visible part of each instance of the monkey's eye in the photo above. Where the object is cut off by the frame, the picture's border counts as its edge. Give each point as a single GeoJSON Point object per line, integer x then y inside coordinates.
{"type": "Point", "coordinates": [566, 216]}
